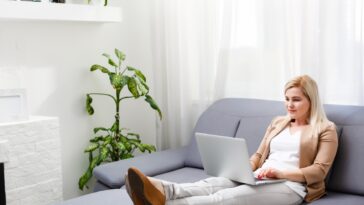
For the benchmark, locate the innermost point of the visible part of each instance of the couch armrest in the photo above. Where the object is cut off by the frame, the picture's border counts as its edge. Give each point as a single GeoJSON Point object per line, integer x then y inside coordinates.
{"type": "Point", "coordinates": [112, 174]}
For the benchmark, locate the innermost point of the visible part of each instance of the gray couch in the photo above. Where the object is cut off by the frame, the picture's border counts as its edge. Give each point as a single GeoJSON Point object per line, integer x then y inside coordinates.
{"type": "Point", "coordinates": [246, 118]}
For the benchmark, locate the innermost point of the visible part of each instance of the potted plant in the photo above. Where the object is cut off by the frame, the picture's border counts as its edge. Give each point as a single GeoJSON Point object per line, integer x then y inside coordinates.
{"type": "Point", "coordinates": [116, 143]}
{"type": "Point", "coordinates": [105, 2]}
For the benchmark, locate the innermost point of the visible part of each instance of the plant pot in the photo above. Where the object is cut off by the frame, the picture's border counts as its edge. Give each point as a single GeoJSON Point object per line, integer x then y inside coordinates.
{"type": "Point", "coordinates": [97, 2]}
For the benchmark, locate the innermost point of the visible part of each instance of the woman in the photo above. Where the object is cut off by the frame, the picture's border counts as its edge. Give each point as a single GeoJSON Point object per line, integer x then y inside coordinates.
{"type": "Point", "coordinates": [299, 147]}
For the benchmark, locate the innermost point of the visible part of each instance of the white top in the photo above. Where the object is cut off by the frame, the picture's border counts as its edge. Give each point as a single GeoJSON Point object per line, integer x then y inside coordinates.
{"type": "Point", "coordinates": [284, 155]}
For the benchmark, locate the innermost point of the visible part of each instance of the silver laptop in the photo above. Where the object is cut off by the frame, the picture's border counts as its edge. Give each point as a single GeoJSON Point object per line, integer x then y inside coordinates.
{"type": "Point", "coordinates": [228, 157]}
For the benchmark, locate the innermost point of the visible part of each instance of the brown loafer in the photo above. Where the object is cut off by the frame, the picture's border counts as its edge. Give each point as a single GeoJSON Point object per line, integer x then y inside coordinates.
{"type": "Point", "coordinates": [136, 200]}
{"type": "Point", "coordinates": [144, 189]}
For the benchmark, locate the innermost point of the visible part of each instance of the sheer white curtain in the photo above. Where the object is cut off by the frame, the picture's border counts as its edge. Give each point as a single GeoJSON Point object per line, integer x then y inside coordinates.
{"type": "Point", "coordinates": [209, 49]}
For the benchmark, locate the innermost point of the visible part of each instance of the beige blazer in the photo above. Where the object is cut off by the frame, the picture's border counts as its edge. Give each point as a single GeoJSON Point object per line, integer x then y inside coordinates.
{"type": "Point", "coordinates": [317, 153]}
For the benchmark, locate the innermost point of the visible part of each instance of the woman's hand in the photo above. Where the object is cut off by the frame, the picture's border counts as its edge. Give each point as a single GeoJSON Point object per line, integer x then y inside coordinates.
{"type": "Point", "coordinates": [271, 173]}
{"type": "Point", "coordinates": [291, 175]}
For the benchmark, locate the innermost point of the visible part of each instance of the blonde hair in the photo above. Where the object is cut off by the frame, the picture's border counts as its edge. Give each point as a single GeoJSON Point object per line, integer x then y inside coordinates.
{"type": "Point", "coordinates": [309, 88]}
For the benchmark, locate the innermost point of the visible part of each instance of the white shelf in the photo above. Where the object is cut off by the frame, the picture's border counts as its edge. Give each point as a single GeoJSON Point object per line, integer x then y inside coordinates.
{"type": "Point", "coordinates": [23, 10]}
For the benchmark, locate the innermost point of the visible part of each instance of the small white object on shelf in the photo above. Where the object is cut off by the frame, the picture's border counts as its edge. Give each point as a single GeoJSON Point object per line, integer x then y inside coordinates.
{"type": "Point", "coordinates": [4, 151]}
{"type": "Point", "coordinates": [27, 10]}
{"type": "Point", "coordinates": [13, 105]}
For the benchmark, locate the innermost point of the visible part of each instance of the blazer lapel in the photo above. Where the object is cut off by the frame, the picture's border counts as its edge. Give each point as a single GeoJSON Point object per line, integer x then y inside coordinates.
{"type": "Point", "coordinates": [278, 128]}
{"type": "Point", "coordinates": [307, 147]}
{"type": "Point", "coordinates": [274, 132]}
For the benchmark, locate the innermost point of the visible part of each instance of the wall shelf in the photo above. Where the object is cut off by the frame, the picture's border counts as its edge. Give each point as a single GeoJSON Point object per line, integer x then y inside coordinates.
{"type": "Point", "coordinates": [23, 10]}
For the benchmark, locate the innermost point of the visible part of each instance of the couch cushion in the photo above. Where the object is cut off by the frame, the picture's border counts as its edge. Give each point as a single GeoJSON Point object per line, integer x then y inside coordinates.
{"type": "Point", "coordinates": [348, 164]}
{"type": "Point", "coordinates": [108, 197]}
{"type": "Point", "coordinates": [335, 198]}
{"type": "Point", "coordinates": [184, 175]}
{"type": "Point", "coordinates": [212, 122]}
{"type": "Point", "coordinates": [345, 114]}
{"type": "Point", "coordinates": [112, 174]}
{"type": "Point", "coordinates": [252, 129]}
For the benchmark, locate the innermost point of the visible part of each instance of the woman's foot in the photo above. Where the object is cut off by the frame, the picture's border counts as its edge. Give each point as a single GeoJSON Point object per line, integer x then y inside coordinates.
{"type": "Point", "coordinates": [131, 193]}
{"type": "Point", "coordinates": [144, 189]}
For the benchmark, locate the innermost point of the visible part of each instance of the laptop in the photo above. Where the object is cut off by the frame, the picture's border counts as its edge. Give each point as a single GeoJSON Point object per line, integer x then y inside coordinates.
{"type": "Point", "coordinates": [228, 157]}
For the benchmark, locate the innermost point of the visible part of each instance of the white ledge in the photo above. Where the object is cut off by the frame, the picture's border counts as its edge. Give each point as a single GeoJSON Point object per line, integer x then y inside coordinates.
{"type": "Point", "coordinates": [23, 10]}
{"type": "Point", "coordinates": [31, 119]}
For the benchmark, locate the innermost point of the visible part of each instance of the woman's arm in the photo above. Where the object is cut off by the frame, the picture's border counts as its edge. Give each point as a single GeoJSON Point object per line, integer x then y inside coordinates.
{"type": "Point", "coordinates": [291, 175]}
{"type": "Point", "coordinates": [327, 148]}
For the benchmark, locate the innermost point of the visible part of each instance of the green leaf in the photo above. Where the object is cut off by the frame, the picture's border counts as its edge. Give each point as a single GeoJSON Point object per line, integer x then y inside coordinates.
{"type": "Point", "coordinates": [106, 55]}
{"type": "Point", "coordinates": [90, 157]}
{"type": "Point", "coordinates": [123, 139]}
{"type": "Point", "coordinates": [153, 104]}
{"type": "Point", "coordinates": [94, 162]}
{"type": "Point", "coordinates": [92, 147]}
{"type": "Point", "coordinates": [107, 140]}
{"type": "Point", "coordinates": [127, 146]}
{"type": "Point", "coordinates": [112, 63]}
{"type": "Point", "coordinates": [104, 153]}
{"type": "Point", "coordinates": [135, 141]}
{"type": "Point", "coordinates": [119, 54]}
{"type": "Point", "coordinates": [99, 67]}
{"type": "Point", "coordinates": [145, 86]}
{"type": "Point", "coordinates": [132, 86]}
{"type": "Point", "coordinates": [110, 60]}
{"type": "Point", "coordinates": [84, 179]}
{"type": "Point", "coordinates": [137, 73]}
{"type": "Point", "coordinates": [97, 139]}
{"type": "Point", "coordinates": [114, 127]}
{"type": "Point", "coordinates": [143, 89]}
{"type": "Point", "coordinates": [127, 156]}
{"type": "Point", "coordinates": [96, 129]}
{"type": "Point", "coordinates": [150, 148]}
{"type": "Point", "coordinates": [133, 134]}
{"type": "Point", "coordinates": [118, 81]}
{"type": "Point", "coordinates": [89, 108]}
{"type": "Point", "coordinates": [121, 146]}
{"type": "Point", "coordinates": [140, 147]}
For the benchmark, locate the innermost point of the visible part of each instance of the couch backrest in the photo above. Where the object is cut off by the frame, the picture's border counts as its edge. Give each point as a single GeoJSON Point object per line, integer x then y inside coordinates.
{"type": "Point", "coordinates": [224, 116]}
{"type": "Point", "coordinates": [249, 118]}
{"type": "Point", "coordinates": [348, 166]}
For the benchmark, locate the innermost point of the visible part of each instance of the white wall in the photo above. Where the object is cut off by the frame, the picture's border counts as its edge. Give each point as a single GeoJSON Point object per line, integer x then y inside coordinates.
{"type": "Point", "coordinates": [52, 59]}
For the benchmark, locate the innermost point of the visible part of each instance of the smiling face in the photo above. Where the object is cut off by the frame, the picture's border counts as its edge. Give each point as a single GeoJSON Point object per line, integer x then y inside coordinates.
{"type": "Point", "coordinates": [297, 105]}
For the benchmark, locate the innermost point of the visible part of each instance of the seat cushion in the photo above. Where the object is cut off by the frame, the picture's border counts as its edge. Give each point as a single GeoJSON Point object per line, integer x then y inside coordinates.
{"type": "Point", "coordinates": [108, 197]}
{"type": "Point", "coordinates": [183, 175]}
{"type": "Point", "coordinates": [335, 198]}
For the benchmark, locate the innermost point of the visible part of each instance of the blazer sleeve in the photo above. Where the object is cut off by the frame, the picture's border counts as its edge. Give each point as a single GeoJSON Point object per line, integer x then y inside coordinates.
{"type": "Point", "coordinates": [327, 147]}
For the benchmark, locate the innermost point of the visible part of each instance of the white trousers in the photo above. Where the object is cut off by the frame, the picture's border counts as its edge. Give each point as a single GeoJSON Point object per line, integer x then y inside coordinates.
{"type": "Point", "coordinates": [222, 191]}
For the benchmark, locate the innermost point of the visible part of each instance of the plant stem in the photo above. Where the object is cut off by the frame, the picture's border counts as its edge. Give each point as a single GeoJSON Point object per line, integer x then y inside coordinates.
{"type": "Point", "coordinates": [126, 97]}
{"type": "Point", "coordinates": [124, 70]}
{"type": "Point", "coordinates": [117, 119]}
{"type": "Point", "coordinates": [104, 94]}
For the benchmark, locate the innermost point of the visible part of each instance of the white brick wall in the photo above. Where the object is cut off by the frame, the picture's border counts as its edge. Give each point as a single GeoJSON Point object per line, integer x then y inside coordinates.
{"type": "Point", "coordinates": [33, 174]}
